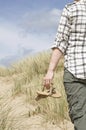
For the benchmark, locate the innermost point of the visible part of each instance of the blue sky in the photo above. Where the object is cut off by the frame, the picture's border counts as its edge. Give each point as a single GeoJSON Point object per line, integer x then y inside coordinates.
{"type": "Point", "coordinates": [30, 24]}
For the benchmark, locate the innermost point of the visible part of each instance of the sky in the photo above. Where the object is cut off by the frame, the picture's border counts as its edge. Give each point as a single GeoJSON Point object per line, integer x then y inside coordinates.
{"type": "Point", "coordinates": [30, 24]}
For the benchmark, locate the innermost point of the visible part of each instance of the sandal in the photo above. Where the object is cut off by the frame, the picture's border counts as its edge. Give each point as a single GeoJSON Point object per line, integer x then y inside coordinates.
{"type": "Point", "coordinates": [48, 92]}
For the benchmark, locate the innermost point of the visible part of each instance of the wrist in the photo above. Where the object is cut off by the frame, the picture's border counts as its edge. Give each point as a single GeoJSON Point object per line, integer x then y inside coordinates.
{"type": "Point", "coordinates": [50, 70]}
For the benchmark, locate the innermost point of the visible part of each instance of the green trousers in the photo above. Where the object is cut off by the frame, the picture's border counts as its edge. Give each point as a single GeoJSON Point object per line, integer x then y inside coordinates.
{"type": "Point", "coordinates": [76, 96]}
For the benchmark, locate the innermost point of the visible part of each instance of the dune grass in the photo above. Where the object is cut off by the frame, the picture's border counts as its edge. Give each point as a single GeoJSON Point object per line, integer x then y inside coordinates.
{"type": "Point", "coordinates": [27, 76]}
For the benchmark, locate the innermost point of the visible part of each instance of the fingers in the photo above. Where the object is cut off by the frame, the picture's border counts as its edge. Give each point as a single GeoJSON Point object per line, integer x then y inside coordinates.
{"type": "Point", "coordinates": [47, 83]}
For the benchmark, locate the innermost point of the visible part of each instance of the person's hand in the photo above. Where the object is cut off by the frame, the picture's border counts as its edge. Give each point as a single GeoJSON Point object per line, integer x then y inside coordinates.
{"type": "Point", "coordinates": [47, 81]}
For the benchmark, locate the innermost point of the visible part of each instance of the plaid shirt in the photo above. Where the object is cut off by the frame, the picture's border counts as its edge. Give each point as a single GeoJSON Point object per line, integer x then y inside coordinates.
{"type": "Point", "coordinates": [71, 38]}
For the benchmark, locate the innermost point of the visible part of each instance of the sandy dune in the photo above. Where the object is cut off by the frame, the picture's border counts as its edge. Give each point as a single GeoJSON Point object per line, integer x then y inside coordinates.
{"type": "Point", "coordinates": [16, 112]}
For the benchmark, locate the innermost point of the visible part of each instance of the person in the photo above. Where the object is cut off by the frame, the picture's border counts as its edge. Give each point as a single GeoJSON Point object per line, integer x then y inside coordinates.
{"type": "Point", "coordinates": [70, 41]}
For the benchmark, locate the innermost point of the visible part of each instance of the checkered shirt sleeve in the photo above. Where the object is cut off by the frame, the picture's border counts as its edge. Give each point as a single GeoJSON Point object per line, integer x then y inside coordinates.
{"type": "Point", "coordinates": [62, 36]}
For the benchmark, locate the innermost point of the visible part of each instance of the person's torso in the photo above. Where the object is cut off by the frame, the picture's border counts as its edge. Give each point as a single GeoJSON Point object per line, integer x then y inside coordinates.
{"type": "Point", "coordinates": [75, 58]}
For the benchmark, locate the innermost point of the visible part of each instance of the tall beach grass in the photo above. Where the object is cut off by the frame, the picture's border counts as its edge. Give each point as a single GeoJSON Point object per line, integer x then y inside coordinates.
{"type": "Point", "coordinates": [27, 76]}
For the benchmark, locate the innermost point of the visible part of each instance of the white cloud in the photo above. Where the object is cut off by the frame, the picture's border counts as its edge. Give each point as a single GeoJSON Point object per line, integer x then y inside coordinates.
{"type": "Point", "coordinates": [9, 34]}
{"type": "Point", "coordinates": [9, 39]}
{"type": "Point", "coordinates": [41, 21]}
{"type": "Point", "coordinates": [14, 37]}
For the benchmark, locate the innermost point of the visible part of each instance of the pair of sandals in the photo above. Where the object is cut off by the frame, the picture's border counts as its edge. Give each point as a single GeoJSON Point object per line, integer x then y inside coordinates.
{"type": "Point", "coordinates": [48, 92]}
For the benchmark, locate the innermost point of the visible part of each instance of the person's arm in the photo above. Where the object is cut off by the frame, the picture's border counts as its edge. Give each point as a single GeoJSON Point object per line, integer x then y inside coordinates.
{"type": "Point", "coordinates": [56, 54]}
{"type": "Point", "coordinates": [60, 45]}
